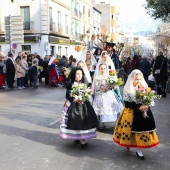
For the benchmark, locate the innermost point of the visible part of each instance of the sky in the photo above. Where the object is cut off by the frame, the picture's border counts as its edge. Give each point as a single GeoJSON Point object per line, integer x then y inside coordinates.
{"type": "Point", "coordinates": [133, 16]}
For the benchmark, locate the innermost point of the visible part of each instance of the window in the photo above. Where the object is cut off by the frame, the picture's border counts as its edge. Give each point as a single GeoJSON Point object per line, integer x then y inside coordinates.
{"type": "Point", "coordinates": [66, 24]}
{"type": "Point", "coordinates": [66, 52]}
{"type": "Point", "coordinates": [52, 50]}
{"type": "Point", "coordinates": [26, 48]}
{"type": "Point", "coordinates": [59, 18]}
{"type": "Point", "coordinates": [50, 19]}
{"type": "Point", "coordinates": [83, 9]}
{"type": "Point", "coordinates": [59, 51]}
{"type": "Point", "coordinates": [89, 13]}
{"type": "Point", "coordinates": [25, 12]}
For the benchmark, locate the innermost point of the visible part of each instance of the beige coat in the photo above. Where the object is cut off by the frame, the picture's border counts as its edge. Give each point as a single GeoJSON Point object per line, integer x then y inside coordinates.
{"type": "Point", "coordinates": [19, 71]}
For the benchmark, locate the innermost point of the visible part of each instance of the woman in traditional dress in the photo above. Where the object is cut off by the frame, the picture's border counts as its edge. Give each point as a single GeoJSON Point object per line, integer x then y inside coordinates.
{"type": "Point", "coordinates": [53, 76]}
{"type": "Point", "coordinates": [90, 61]}
{"type": "Point", "coordinates": [132, 129]}
{"type": "Point", "coordinates": [105, 103]}
{"type": "Point", "coordinates": [79, 120]}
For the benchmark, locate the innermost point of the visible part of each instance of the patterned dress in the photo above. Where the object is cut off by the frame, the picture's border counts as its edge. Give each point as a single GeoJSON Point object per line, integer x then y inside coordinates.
{"type": "Point", "coordinates": [105, 103]}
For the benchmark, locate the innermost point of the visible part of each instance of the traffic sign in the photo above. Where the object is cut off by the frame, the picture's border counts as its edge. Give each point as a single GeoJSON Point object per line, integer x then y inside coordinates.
{"type": "Point", "coordinates": [14, 46]}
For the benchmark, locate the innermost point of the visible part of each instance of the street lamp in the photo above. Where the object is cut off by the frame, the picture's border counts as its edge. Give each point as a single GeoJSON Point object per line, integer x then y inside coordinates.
{"type": "Point", "coordinates": [88, 36]}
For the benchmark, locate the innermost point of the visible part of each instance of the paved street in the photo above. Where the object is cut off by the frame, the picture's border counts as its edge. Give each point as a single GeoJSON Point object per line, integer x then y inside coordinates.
{"type": "Point", "coordinates": [29, 137]}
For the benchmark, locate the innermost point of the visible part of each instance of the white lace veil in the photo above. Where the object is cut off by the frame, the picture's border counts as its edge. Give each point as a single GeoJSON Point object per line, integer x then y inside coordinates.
{"type": "Point", "coordinates": [86, 71]}
{"type": "Point", "coordinates": [109, 63]}
{"type": "Point", "coordinates": [98, 74]}
{"type": "Point", "coordinates": [129, 91]}
{"type": "Point", "coordinates": [83, 57]}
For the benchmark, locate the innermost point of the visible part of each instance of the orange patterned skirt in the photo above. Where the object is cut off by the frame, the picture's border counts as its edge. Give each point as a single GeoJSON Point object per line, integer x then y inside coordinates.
{"type": "Point", "coordinates": [124, 136]}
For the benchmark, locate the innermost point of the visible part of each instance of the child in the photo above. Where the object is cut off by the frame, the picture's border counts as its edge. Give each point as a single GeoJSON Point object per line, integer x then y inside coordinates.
{"type": "Point", "coordinates": [34, 73]}
{"type": "Point", "coordinates": [79, 121]}
{"type": "Point", "coordinates": [87, 77]}
{"type": "Point", "coordinates": [105, 103]}
{"type": "Point", "coordinates": [133, 130]}
{"type": "Point", "coordinates": [19, 74]}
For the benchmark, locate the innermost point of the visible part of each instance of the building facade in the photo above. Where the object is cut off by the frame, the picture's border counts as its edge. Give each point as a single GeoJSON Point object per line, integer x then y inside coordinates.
{"type": "Point", "coordinates": [46, 25]}
{"type": "Point", "coordinates": [110, 20]}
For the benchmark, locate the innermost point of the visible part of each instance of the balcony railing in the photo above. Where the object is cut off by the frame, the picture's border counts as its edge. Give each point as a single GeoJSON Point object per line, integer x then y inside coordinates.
{"type": "Point", "coordinates": [28, 25]}
{"type": "Point", "coordinates": [59, 28]}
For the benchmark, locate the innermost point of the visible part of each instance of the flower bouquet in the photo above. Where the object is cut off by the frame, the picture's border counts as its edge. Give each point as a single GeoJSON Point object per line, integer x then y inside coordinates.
{"type": "Point", "coordinates": [81, 92]}
{"type": "Point", "coordinates": [66, 71]}
{"type": "Point", "coordinates": [146, 96]}
{"type": "Point", "coordinates": [40, 69]}
{"type": "Point", "coordinates": [113, 80]}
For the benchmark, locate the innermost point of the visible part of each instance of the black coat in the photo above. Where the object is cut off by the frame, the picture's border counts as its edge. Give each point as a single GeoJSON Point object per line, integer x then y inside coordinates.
{"type": "Point", "coordinates": [162, 77]}
{"type": "Point", "coordinates": [45, 65]}
{"type": "Point", "coordinates": [145, 66]}
{"type": "Point", "coordinates": [10, 68]}
{"type": "Point", "coordinates": [115, 60]}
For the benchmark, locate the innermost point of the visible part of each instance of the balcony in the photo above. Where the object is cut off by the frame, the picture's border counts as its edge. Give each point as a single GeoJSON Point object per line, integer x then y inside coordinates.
{"type": "Point", "coordinates": [57, 28]}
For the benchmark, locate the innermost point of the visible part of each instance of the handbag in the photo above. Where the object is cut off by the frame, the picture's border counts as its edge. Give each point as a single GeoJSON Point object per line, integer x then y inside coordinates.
{"type": "Point", "coordinates": [158, 71]}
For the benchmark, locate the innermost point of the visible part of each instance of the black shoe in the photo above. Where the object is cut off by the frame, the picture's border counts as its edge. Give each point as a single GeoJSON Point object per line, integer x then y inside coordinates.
{"type": "Point", "coordinates": [2, 88]}
{"type": "Point", "coordinates": [77, 141]}
{"type": "Point", "coordinates": [140, 157]}
{"type": "Point", "coordinates": [128, 148]}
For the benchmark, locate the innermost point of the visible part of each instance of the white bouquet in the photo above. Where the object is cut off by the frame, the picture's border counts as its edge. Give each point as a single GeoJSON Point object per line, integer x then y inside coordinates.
{"type": "Point", "coordinates": [81, 92]}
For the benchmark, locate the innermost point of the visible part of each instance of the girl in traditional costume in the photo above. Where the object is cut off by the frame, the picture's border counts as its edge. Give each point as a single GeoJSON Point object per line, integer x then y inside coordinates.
{"type": "Point", "coordinates": [79, 120]}
{"type": "Point", "coordinates": [87, 77]}
{"type": "Point", "coordinates": [105, 103]}
{"type": "Point", "coordinates": [133, 130]}
{"type": "Point", "coordinates": [105, 58]}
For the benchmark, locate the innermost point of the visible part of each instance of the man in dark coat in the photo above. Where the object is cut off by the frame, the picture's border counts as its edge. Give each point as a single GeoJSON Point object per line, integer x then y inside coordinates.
{"type": "Point", "coordinates": [144, 67]}
{"type": "Point", "coordinates": [113, 55]}
{"type": "Point", "coordinates": [161, 63]}
{"type": "Point", "coordinates": [10, 70]}
{"type": "Point", "coordinates": [62, 62]}
{"type": "Point", "coordinates": [46, 69]}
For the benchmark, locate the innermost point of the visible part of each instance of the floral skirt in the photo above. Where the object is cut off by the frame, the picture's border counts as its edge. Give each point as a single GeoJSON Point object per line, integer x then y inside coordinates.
{"type": "Point", "coordinates": [124, 136]}
{"type": "Point", "coordinates": [107, 106]}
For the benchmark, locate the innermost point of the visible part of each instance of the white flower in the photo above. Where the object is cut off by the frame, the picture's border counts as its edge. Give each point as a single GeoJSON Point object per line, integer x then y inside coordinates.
{"type": "Point", "coordinates": [80, 97]}
{"type": "Point", "coordinates": [76, 97]}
